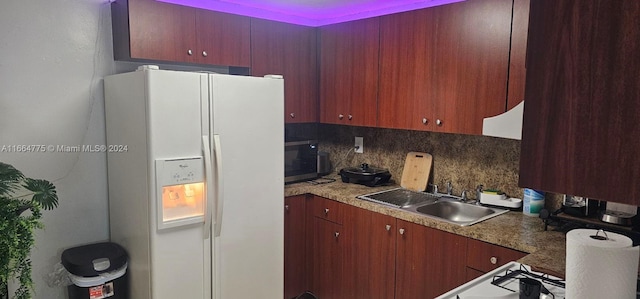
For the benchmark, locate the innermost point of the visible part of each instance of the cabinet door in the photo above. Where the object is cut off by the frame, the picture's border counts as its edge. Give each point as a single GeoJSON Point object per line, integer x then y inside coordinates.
{"type": "Point", "coordinates": [328, 209]}
{"type": "Point", "coordinates": [517, 65]}
{"type": "Point", "coordinates": [295, 257]}
{"type": "Point", "coordinates": [370, 257]}
{"type": "Point", "coordinates": [486, 257]}
{"type": "Point", "coordinates": [581, 115]}
{"type": "Point", "coordinates": [288, 50]}
{"type": "Point", "coordinates": [429, 262]}
{"type": "Point", "coordinates": [407, 76]}
{"type": "Point", "coordinates": [471, 63]}
{"type": "Point", "coordinates": [222, 39]}
{"type": "Point", "coordinates": [147, 29]}
{"type": "Point", "coordinates": [328, 251]}
{"type": "Point", "coordinates": [349, 72]}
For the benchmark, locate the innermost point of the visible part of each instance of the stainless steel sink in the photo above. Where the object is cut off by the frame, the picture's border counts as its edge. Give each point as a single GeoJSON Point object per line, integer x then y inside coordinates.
{"type": "Point", "coordinates": [457, 212]}
{"type": "Point", "coordinates": [400, 197]}
{"type": "Point", "coordinates": [442, 207]}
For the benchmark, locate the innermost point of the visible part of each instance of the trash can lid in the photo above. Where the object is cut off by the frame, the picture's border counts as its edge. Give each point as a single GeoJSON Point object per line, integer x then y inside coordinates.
{"type": "Point", "coordinates": [93, 259]}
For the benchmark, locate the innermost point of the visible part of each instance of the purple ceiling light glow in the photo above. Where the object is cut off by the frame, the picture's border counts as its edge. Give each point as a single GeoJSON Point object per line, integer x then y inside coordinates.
{"type": "Point", "coordinates": [311, 12]}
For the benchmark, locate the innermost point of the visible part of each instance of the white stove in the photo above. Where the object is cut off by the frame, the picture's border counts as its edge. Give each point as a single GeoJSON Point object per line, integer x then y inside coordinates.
{"type": "Point", "coordinates": [503, 282]}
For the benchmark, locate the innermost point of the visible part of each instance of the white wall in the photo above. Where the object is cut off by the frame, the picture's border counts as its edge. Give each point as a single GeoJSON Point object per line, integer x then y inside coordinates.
{"type": "Point", "coordinates": [53, 55]}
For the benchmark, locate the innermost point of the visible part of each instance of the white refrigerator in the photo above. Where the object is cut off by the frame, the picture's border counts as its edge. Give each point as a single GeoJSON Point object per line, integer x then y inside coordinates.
{"type": "Point", "coordinates": [195, 174]}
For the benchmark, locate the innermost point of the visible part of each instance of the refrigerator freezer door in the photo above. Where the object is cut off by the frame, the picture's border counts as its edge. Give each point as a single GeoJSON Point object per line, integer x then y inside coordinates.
{"type": "Point", "coordinates": [248, 115]}
{"type": "Point", "coordinates": [158, 115]}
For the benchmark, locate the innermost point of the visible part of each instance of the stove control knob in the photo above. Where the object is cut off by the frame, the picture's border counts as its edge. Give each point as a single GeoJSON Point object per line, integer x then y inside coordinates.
{"type": "Point", "coordinates": [493, 260]}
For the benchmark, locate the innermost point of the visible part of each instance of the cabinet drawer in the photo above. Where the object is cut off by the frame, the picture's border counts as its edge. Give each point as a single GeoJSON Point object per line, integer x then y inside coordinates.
{"type": "Point", "coordinates": [485, 257]}
{"type": "Point", "coordinates": [328, 209]}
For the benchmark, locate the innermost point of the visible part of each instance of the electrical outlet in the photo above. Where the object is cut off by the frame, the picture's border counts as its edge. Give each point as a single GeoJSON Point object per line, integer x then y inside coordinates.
{"type": "Point", "coordinates": [359, 145]}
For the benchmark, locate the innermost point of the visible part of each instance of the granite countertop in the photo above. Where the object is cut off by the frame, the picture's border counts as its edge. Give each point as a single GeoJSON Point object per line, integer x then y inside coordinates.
{"type": "Point", "coordinates": [512, 230]}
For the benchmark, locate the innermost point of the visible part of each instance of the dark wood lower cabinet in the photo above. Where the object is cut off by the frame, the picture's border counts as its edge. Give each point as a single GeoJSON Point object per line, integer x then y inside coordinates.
{"type": "Point", "coordinates": [328, 259]}
{"type": "Point", "coordinates": [295, 253]}
{"type": "Point", "coordinates": [484, 257]}
{"type": "Point", "coordinates": [370, 257]}
{"type": "Point", "coordinates": [429, 262]}
{"type": "Point", "coordinates": [363, 254]}
{"type": "Point", "coordinates": [473, 274]}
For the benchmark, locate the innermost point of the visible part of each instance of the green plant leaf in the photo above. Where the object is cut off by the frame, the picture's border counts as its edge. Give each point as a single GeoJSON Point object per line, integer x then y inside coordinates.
{"type": "Point", "coordinates": [9, 178]}
{"type": "Point", "coordinates": [44, 193]}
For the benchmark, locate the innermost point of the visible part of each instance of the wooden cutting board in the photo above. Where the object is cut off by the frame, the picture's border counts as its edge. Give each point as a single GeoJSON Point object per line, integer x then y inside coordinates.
{"type": "Point", "coordinates": [415, 174]}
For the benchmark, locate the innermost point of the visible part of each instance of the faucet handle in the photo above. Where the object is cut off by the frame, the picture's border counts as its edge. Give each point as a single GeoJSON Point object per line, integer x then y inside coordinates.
{"type": "Point", "coordinates": [434, 188]}
{"type": "Point", "coordinates": [479, 190]}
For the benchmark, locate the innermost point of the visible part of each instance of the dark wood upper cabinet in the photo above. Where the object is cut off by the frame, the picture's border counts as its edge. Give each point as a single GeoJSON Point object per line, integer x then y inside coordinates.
{"type": "Point", "coordinates": [407, 54]}
{"type": "Point", "coordinates": [582, 98]}
{"type": "Point", "coordinates": [222, 38]}
{"type": "Point", "coordinates": [518, 54]}
{"type": "Point", "coordinates": [349, 72]}
{"type": "Point", "coordinates": [471, 65]}
{"type": "Point", "coordinates": [288, 50]}
{"type": "Point", "coordinates": [148, 30]}
{"type": "Point", "coordinates": [445, 68]}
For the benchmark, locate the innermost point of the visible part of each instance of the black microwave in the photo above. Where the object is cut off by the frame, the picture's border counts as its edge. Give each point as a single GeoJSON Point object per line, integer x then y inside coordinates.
{"type": "Point", "coordinates": [300, 160]}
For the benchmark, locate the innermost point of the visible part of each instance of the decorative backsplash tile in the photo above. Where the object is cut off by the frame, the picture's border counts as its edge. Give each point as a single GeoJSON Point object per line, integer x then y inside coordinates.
{"type": "Point", "coordinates": [465, 160]}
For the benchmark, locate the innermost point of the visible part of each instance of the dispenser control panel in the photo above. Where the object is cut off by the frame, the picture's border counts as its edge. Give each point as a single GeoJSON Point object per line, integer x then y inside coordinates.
{"type": "Point", "coordinates": [183, 171]}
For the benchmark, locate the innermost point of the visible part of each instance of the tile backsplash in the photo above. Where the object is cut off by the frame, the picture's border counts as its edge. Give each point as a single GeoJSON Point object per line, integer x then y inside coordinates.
{"type": "Point", "coordinates": [465, 160]}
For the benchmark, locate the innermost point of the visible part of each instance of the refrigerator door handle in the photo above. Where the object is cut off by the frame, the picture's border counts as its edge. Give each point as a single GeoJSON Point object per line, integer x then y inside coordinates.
{"type": "Point", "coordinates": [209, 187]}
{"type": "Point", "coordinates": [220, 198]}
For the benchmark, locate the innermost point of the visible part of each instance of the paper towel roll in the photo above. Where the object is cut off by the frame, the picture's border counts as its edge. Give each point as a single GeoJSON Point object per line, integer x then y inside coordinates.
{"type": "Point", "coordinates": [600, 268]}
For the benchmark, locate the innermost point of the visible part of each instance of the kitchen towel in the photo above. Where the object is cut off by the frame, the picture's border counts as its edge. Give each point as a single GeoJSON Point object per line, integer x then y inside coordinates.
{"type": "Point", "coordinates": [600, 267]}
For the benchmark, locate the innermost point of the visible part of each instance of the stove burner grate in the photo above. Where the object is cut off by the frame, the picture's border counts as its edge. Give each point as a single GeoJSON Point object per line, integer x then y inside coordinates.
{"type": "Point", "coordinates": [511, 275]}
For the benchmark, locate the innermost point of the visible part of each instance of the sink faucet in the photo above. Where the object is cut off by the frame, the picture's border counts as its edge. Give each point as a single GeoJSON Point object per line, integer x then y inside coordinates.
{"type": "Point", "coordinates": [463, 196]}
{"type": "Point", "coordinates": [449, 188]}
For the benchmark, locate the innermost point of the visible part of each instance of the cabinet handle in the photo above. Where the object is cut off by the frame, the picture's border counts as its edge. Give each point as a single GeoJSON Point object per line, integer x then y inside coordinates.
{"type": "Point", "coordinates": [493, 260]}
{"type": "Point", "coordinates": [326, 211]}
{"type": "Point", "coordinates": [293, 115]}
{"type": "Point", "coordinates": [388, 227]}
{"type": "Point", "coordinates": [401, 231]}
{"type": "Point", "coordinates": [439, 122]}
{"type": "Point", "coordinates": [350, 116]}
{"type": "Point", "coordinates": [425, 120]}
{"type": "Point", "coordinates": [336, 234]}
{"type": "Point", "coordinates": [340, 116]}
{"type": "Point", "coordinates": [286, 207]}
{"type": "Point", "coordinates": [204, 53]}
{"type": "Point", "coordinates": [189, 52]}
